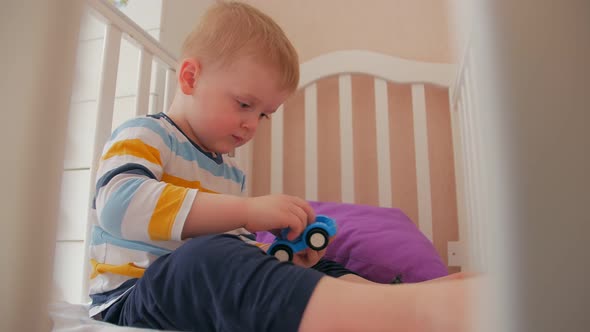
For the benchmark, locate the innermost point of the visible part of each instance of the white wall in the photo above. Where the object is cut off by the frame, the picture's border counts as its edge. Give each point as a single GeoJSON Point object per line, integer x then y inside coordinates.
{"type": "Point", "coordinates": [410, 29]}
{"type": "Point", "coordinates": [68, 267]}
{"type": "Point", "coordinates": [178, 19]}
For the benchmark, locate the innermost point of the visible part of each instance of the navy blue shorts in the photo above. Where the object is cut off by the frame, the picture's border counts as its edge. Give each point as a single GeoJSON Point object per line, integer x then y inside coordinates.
{"type": "Point", "coordinates": [220, 283]}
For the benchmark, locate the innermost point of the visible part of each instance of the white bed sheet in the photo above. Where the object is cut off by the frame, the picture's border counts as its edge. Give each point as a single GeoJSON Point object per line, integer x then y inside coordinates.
{"type": "Point", "coordinates": [69, 317]}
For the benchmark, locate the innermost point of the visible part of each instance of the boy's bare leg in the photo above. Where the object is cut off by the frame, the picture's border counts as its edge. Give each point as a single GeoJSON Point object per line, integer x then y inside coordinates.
{"type": "Point", "coordinates": [356, 279]}
{"type": "Point", "coordinates": [338, 305]}
{"type": "Point", "coordinates": [454, 276]}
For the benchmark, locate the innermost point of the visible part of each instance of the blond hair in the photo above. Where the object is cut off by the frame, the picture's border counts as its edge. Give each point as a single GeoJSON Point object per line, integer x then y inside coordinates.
{"type": "Point", "coordinates": [229, 30]}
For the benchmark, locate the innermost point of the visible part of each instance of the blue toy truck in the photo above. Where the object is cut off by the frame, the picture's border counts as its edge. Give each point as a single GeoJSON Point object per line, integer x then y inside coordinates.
{"type": "Point", "coordinates": [315, 236]}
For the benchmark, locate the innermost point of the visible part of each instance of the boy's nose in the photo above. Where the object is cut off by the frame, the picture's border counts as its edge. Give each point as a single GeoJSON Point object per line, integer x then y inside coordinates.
{"type": "Point", "coordinates": [251, 123]}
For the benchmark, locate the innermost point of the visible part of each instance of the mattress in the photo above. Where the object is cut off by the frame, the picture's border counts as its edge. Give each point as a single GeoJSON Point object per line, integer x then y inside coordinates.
{"type": "Point", "coordinates": [69, 317]}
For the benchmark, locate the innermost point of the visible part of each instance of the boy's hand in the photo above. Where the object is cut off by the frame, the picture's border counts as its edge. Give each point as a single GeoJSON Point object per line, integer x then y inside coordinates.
{"type": "Point", "coordinates": [275, 212]}
{"type": "Point", "coordinates": [308, 257]}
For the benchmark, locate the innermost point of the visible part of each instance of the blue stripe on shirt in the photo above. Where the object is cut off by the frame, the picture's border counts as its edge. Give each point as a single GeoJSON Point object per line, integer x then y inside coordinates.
{"type": "Point", "coordinates": [184, 149]}
{"type": "Point", "coordinates": [130, 168]}
{"type": "Point", "coordinates": [114, 209]}
{"type": "Point", "coordinates": [100, 236]}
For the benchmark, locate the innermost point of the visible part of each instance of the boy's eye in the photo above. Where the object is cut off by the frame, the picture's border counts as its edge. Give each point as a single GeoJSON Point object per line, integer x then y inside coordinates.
{"type": "Point", "coordinates": [264, 116]}
{"type": "Point", "coordinates": [242, 104]}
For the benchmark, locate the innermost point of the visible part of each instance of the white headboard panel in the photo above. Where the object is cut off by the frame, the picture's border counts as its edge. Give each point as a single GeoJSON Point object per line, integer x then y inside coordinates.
{"type": "Point", "coordinates": [382, 66]}
{"type": "Point", "coordinates": [418, 78]}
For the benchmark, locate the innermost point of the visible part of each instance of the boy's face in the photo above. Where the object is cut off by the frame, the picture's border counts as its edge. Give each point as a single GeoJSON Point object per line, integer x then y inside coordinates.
{"type": "Point", "coordinates": [227, 103]}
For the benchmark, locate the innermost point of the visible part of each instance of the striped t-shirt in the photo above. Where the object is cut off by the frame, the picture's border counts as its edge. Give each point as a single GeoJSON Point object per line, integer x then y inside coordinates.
{"type": "Point", "coordinates": [148, 177]}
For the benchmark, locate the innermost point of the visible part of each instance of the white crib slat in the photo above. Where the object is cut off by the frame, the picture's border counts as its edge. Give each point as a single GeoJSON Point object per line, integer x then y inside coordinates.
{"type": "Point", "coordinates": [478, 181]}
{"type": "Point", "coordinates": [131, 28]}
{"type": "Point", "coordinates": [276, 152]}
{"type": "Point", "coordinates": [470, 176]}
{"type": "Point", "coordinates": [472, 162]}
{"type": "Point", "coordinates": [104, 118]}
{"type": "Point", "coordinates": [169, 89]}
{"type": "Point", "coordinates": [311, 142]}
{"type": "Point", "coordinates": [346, 138]}
{"type": "Point", "coordinates": [383, 155]}
{"type": "Point", "coordinates": [143, 83]}
{"type": "Point", "coordinates": [467, 177]}
{"type": "Point", "coordinates": [106, 93]}
{"type": "Point", "coordinates": [422, 160]}
{"type": "Point", "coordinates": [458, 253]}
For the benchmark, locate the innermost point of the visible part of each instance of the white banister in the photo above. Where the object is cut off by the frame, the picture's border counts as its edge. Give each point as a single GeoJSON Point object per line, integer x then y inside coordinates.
{"type": "Point", "coordinates": [111, 15]}
{"type": "Point", "coordinates": [143, 83]}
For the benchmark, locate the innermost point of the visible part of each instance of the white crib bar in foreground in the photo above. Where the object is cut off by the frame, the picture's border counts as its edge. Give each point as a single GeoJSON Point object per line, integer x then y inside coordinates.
{"type": "Point", "coordinates": [37, 65]}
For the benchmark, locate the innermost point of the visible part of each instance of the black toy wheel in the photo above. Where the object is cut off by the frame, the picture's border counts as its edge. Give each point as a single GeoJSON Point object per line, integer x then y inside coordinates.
{"type": "Point", "coordinates": [317, 239]}
{"type": "Point", "coordinates": [282, 253]}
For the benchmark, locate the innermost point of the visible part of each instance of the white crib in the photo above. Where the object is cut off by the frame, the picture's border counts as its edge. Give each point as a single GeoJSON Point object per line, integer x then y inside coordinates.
{"type": "Point", "coordinates": [383, 68]}
{"type": "Point", "coordinates": [488, 169]}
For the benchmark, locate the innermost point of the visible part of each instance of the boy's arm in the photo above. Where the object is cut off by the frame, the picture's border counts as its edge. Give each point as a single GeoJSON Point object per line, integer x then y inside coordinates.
{"type": "Point", "coordinates": [214, 213]}
{"type": "Point", "coordinates": [218, 213]}
{"type": "Point", "coordinates": [133, 203]}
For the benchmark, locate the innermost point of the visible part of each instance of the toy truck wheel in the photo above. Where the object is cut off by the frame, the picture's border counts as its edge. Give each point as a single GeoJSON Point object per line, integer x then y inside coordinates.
{"type": "Point", "coordinates": [282, 253]}
{"type": "Point", "coordinates": [317, 239]}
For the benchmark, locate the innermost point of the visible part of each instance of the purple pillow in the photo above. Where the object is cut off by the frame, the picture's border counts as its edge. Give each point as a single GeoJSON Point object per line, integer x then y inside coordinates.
{"type": "Point", "coordinates": [380, 244]}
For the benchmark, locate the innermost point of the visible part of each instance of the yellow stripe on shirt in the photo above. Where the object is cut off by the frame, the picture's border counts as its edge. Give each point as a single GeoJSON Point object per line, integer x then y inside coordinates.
{"type": "Point", "coordinates": [185, 183]}
{"type": "Point", "coordinates": [129, 269]}
{"type": "Point", "coordinates": [169, 203]}
{"type": "Point", "coordinates": [134, 147]}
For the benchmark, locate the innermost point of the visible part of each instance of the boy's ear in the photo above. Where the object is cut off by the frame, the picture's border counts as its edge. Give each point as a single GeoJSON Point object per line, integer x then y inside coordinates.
{"type": "Point", "coordinates": [188, 74]}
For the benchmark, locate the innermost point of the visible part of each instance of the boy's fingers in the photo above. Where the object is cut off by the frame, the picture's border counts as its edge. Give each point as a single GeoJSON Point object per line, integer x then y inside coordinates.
{"type": "Point", "coordinates": [299, 213]}
{"type": "Point", "coordinates": [304, 205]}
{"type": "Point", "coordinates": [296, 228]}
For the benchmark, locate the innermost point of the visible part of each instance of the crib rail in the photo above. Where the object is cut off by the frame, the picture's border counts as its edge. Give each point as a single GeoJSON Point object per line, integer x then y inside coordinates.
{"type": "Point", "coordinates": [119, 26]}
{"type": "Point", "coordinates": [470, 183]}
{"type": "Point", "coordinates": [112, 16]}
